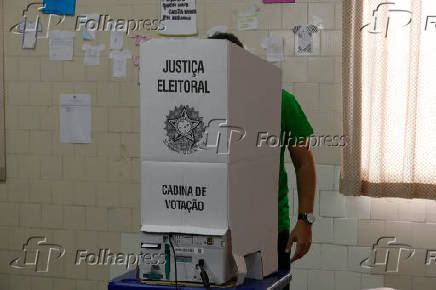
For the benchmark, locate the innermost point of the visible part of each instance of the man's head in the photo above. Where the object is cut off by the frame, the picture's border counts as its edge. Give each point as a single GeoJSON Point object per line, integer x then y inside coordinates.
{"type": "Point", "coordinates": [229, 36]}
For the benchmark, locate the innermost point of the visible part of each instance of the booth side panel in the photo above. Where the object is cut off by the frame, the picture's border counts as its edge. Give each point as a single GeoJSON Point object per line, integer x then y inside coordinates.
{"type": "Point", "coordinates": [254, 105]}
{"type": "Point", "coordinates": [253, 202]}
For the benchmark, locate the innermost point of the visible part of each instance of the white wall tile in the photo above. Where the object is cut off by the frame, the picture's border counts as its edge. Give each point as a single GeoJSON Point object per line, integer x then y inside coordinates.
{"type": "Point", "coordinates": [290, 170]}
{"type": "Point", "coordinates": [322, 14]}
{"type": "Point", "coordinates": [337, 177]}
{"type": "Point", "coordinates": [321, 69]}
{"type": "Point", "coordinates": [346, 280]}
{"type": "Point", "coordinates": [398, 209]}
{"type": "Point", "coordinates": [345, 231]}
{"type": "Point", "coordinates": [333, 257]}
{"type": "Point", "coordinates": [299, 279]}
{"type": "Point", "coordinates": [324, 280]}
{"type": "Point", "coordinates": [425, 235]}
{"type": "Point", "coordinates": [398, 282]}
{"type": "Point", "coordinates": [311, 260]}
{"type": "Point", "coordinates": [325, 176]}
{"type": "Point", "coordinates": [412, 210]}
{"type": "Point", "coordinates": [331, 97]}
{"type": "Point", "coordinates": [307, 95]}
{"type": "Point", "coordinates": [413, 266]}
{"type": "Point", "coordinates": [430, 210]}
{"type": "Point", "coordinates": [129, 244]}
{"type": "Point", "coordinates": [295, 14]}
{"type": "Point", "coordinates": [332, 204]}
{"type": "Point", "coordinates": [403, 231]}
{"type": "Point", "coordinates": [355, 257]}
{"type": "Point", "coordinates": [295, 69]}
{"type": "Point", "coordinates": [322, 230]}
{"type": "Point", "coordinates": [338, 15]}
{"type": "Point", "coordinates": [357, 207]}
{"type": "Point", "coordinates": [372, 281]}
{"type": "Point", "coordinates": [291, 203]}
{"type": "Point", "coordinates": [331, 42]}
{"type": "Point", "coordinates": [423, 283]}
{"type": "Point", "coordinates": [430, 269]}
{"type": "Point", "coordinates": [383, 209]}
{"type": "Point", "coordinates": [369, 231]}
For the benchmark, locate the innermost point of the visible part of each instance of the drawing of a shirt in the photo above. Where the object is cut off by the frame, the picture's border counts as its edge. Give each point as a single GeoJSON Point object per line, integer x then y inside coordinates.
{"type": "Point", "coordinates": [120, 58]}
{"type": "Point", "coordinates": [305, 41]}
{"type": "Point", "coordinates": [92, 54]}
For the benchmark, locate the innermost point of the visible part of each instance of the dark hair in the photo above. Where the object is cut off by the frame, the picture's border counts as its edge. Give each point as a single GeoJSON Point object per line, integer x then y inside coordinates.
{"type": "Point", "coordinates": [229, 36]}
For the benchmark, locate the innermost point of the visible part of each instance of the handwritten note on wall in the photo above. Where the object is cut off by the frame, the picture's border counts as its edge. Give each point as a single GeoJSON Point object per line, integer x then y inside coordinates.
{"type": "Point", "coordinates": [179, 18]}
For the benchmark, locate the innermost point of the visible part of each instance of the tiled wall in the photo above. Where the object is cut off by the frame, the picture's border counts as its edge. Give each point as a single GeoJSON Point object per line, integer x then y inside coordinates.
{"type": "Point", "coordinates": [87, 196]}
{"type": "Point", "coordinates": [346, 230]}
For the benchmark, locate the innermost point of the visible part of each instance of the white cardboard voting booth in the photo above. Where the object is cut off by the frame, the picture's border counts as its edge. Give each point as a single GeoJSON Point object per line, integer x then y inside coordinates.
{"type": "Point", "coordinates": [203, 105]}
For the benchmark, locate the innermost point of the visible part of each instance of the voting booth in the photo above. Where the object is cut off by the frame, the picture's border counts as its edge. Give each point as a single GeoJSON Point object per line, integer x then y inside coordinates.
{"type": "Point", "coordinates": [210, 119]}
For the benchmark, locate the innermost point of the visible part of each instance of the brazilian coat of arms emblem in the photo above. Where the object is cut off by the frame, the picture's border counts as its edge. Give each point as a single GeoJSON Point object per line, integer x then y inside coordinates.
{"type": "Point", "coordinates": [184, 130]}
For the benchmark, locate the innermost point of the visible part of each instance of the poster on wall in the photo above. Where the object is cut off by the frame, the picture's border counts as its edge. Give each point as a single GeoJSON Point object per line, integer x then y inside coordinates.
{"type": "Point", "coordinates": [61, 44]}
{"type": "Point", "coordinates": [307, 40]}
{"type": "Point", "coordinates": [75, 118]}
{"type": "Point", "coordinates": [178, 18]}
{"type": "Point", "coordinates": [92, 54]}
{"type": "Point", "coordinates": [30, 31]}
{"type": "Point", "coordinates": [89, 30]}
{"type": "Point", "coordinates": [247, 20]}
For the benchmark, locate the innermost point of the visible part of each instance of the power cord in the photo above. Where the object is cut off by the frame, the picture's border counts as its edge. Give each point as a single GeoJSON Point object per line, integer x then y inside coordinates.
{"type": "Point", "coordinates": [175, 260]}
{"type": "Point", "coordinates": [203, 274]}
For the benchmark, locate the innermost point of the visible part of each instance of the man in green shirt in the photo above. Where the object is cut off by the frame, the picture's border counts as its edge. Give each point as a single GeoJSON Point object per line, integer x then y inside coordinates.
{"type": "Point", "coordinates": [295, 129]}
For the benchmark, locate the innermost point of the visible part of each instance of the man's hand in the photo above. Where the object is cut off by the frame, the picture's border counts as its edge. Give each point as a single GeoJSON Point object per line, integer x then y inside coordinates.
{"type": "Point", "coordinates": [302, 235]}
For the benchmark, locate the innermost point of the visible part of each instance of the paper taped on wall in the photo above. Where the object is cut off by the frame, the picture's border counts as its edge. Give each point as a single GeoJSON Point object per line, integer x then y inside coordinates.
{"type": "Point", "coordinates": [61, 44]}
{"type": "Point", "coordinates": [117, 39]}
{"type": "Point", "coordinates": [30, 31]}
{"type": "Point", "coordinates": [178, 18]}
{"type": "Point", "coordinates": [248, 20]}
{"type": "Point", "coordinates": [75, 118]}
{"type": "Point", "coordinates": [89, 30]}
{"type": "Point", "coordinates": [120, 58]}
{"type": "Point", "coordinates": [274, 48]}
{"type": "Point", "coordinates": [92, 54]}
{"type": "Point", "coordinates": [307, 41]}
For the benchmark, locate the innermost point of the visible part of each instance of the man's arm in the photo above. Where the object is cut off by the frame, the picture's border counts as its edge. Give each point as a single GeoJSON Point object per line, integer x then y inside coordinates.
{"type": "Point", "coordinates": [302, 158]}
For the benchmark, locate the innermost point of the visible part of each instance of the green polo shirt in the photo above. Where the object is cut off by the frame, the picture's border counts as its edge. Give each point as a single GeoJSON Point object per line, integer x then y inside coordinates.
{"type": "Point", "coordinates": [294, 126]}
